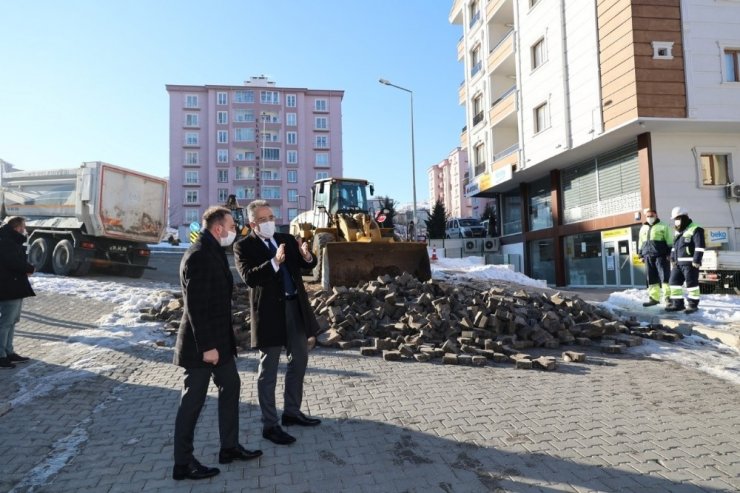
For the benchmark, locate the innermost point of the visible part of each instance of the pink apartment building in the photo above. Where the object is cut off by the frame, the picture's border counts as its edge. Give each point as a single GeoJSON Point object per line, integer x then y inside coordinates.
{"type": "Point", "coordinates": [447, 181]}
{"type": "Point", "coordinates": [254, 141]}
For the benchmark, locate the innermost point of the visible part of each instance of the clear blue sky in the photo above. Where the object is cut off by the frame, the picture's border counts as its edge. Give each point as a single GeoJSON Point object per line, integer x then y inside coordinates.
{"type": "Point", "coordinates": [84, 80]}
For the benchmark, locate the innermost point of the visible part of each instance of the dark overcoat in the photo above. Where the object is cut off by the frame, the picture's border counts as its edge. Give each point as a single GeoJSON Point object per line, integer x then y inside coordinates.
{"type": "Point", "coordinates": [266, 291]}
{"type": "Point", "coordinates": [207, 285]}
{"type": "Point", "coordinates": [14, 268]}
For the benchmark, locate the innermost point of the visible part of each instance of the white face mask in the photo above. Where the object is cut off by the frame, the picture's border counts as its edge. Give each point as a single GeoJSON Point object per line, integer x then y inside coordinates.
{"type": "Point", "coordinates": [266, 230]}
{"type": "Point", "coordinates": [228, 240]}
{"type": "Point", "coordinates": [651, 220]}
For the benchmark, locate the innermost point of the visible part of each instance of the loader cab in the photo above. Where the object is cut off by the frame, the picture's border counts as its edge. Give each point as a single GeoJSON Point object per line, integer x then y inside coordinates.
{"type": "Point", "coordinates": [341, 196]}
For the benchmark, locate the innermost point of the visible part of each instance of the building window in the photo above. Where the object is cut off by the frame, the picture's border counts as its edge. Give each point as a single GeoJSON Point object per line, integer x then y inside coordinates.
{"type": "Point", "coordinates": [270, 193]}
{"type": "Point", "coordinates": [191, 197]}
{"type": "Point", "coordinates": [244, 135]}
{"type": "Point", "coordinates": [538, 53]}
{"type": "Point", "coordinates": [320, 105]}
{"type": "Point", "coordinates": [540, 205]}
{"type": "Point", "coordinates": [191, 101]}
{"type": "Point", "coordinates": [191, 177]}
{"type": "Point", "coordinates": [542, 260]}
{"type": "Point", "coordinates": [191, 139]}
{"type": "Point", "coordinates": [732, 65]}
{"type": "Point", "coordinates": [191, 157]}
{"type": "Point", "coordinates": [244, 192]}
{"type": "Point", "coordinates": [245, 173]}
{"type": "Point", "coordinates": [478, 109]}
{"type": "Point", "coordinates": [475, 61]}
{"type": "Point", "coordinates": [474, 10]}
{"type": "Point", "coordinates": [271, 136]}
{"type": "Point", "coordinates": [322, 175]}
{"type": "Point", "coordinates": [270, 175]}
{"type": "Point", "coordinates": [291, 138]}
{"type": "Point", "coordinates": [290, 100]}
{"type": "Point", "coordinates": [715, 169]}
{"type": "Point", "coordinates": [223, 195]}
{"type": "Point", "coordinates": [223, 176]}
{"type": "Point", "coordinates": [269, 97]}
{"type": "Point", "coordinates": [292, 213]}
{"type": "Point", "coordinates": [511, 213]}
{"type": "Point", "coordinates": [191, 119]}
{"type": "Point", "coordinates": [322, 159]}
{"type": "Point", "coordinates": [321, 142]}
{"type": "Point", "coordinates": [292, 195]}
{"type": "Point", "coordinates": [244, 96]}
{"type": "Point", "coordinates": [222, 98]}
{"type": "Point", "coordinates": [191, 215]}
{"type": "Point", "coordinates": [271, 154]}
{"type": "Point", "coordinates": [222, 136]}
{"type": "Point", "coordinates": [222, 117]}
{"type": "Point", "coordinates": [291, 157]}
{"type": "Point", "coordinates": [241, 116]}
{"type": "Point", "coordinates": [583, 262]}
{"type": "Point", "coordinates": [321, 123]}
{"type": "Point", "coordinates": [222, 156]}
{"type": "Point", "coordinates": [540, 118]}
{"type": "Point", "coordinates": [480, 159]}
{"type": "Point", "coordinates": [292, 176]}
{"type": "Point", "coordinates": [662, 50]}
{"type": "Point", "coordinates": [291, 119]}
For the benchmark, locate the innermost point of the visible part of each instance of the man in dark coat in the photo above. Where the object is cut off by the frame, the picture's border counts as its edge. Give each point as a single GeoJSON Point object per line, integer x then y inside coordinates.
{"type": "Point", "coordinates": [206, 346]}
{"type": "Point", "coordinates": [14, 286]}
{"type": "Point", "coordinates": [270, 263]}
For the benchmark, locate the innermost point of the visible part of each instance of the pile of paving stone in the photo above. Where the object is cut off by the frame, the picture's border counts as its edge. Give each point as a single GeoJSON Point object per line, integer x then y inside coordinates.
{"type": "Point", "coordinates": [469, 323]}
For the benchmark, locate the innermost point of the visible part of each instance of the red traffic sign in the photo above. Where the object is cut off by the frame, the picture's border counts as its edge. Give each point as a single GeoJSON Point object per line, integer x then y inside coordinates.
{"type": "Point", "coordinates": [380, 218]}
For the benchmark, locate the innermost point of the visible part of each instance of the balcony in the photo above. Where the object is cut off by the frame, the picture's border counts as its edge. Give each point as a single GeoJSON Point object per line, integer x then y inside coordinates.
{"type": "Point", "coordinates": [461, 49]}
{"type": "Point", "coordinates": [493, 7]}
{"type": "Point", "coordinates": [462, 94]}
{"type": "Point", "coordinates": [501, 56]}
{"type": "Point", "coordinates": [503, 107]}
{"type": "Point", "coordinates": [499, 156]}
{"type": "Point", "coordinates": [464, 138]}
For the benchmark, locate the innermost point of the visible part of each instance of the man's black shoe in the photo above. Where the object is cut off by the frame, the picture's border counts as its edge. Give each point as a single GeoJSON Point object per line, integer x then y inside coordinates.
{"type": "Point", "coordinates": [278, 436]}
{"type": "Point", "coordinates": [194, 470]}
{"type": "Point", "coordinates": [17, 358]}
{"type": "Point", "coordinates": [238, 453]}
{"type": "Point", "coordinates": [673, 308]}
{"type": "Point", "coordinates": [300, 419]}
{"type": "Point", "coordinates": [651, 302]}
{"type": "Point", "coordinates": [5, 363]}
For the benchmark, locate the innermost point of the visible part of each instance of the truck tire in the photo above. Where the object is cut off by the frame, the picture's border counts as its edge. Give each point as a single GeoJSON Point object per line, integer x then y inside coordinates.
{"type": "Point", "coordinates": [63, 259]}
{"type": "Point", "coordinates": [39, 255]}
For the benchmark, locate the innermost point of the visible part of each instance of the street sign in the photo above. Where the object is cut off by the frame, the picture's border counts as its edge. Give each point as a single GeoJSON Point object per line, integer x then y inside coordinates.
{"type": "Point", "coordinates": [195, 226]}
{"type": "Point", "coordinates": [380, 218]}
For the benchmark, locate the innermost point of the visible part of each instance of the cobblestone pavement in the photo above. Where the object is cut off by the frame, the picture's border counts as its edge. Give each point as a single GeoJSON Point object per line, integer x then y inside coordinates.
{"type": "Point", "coordinates": [81, 417]}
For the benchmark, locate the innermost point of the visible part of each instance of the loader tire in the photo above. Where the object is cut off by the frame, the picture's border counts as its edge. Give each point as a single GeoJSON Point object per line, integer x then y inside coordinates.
{"type": "Point", "coordinates": [39, 255]}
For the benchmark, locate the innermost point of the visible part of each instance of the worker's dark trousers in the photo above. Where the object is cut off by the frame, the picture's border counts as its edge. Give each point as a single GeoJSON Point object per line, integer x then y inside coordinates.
{"type": "Point", "coordinates": [684, 272]}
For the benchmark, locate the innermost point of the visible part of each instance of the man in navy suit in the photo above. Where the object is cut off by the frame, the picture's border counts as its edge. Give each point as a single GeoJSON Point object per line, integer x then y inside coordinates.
{"type": "Point", "coordinates": [270, 263]}
{"type": "Point", "coordinates": [206, 346]}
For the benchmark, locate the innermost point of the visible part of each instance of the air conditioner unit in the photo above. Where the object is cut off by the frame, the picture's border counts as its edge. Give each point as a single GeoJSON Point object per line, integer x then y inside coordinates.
{"type": "Point", "coordinates": [491, 244]}
{"type": "Point", "coordinates": [732, 191]}
{"type": "Point", "coordinates": [471, 245]}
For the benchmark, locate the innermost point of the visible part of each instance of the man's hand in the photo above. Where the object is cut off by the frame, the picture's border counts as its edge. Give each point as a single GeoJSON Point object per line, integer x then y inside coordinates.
{"type": "Point", "coordinates": [303, 247]}
{"type": "Point", "coordinates": [211, 356]}
{"type": "Point", "coordinates": [311, 343]}
{"type": "Point", "coordinates": [280, 254]}
{"type": "Point", "coordinates": [695, 265]}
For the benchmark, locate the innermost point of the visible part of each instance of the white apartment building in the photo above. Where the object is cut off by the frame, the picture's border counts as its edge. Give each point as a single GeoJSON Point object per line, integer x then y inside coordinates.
{"type": "Point", "coordinates": [582, 113]}
{"type": "Point", "coordinates": [447, 181]}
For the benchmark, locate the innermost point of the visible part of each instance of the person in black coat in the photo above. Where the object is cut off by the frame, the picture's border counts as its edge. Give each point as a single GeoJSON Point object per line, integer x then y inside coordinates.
{"type": "Point", "coordinates": [14, 286]}
{"type": "Point", "coordinates": [270, 263]}
{"type": "Point", "coordinates": [206, 346]}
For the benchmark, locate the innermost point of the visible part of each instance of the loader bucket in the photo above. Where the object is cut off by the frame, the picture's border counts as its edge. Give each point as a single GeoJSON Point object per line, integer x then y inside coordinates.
{"type": "Point", "coordinates": [348, 263]}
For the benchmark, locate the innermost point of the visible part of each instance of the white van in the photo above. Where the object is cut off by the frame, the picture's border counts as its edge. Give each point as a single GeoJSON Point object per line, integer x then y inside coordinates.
{"type": "Point", "coordinates": [464, 228]}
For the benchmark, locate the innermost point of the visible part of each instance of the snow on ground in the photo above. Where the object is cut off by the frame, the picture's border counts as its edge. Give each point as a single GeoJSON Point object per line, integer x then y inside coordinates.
{"type": "Point", "coordinates": [121, 328]}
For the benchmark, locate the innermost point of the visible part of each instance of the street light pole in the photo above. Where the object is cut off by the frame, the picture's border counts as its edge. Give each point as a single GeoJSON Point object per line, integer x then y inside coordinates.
{"type": "Point", "coordinates": [413, 152]}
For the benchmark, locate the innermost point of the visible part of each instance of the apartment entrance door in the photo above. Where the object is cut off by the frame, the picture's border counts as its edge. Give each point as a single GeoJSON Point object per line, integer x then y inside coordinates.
{"type": "Point", "coordinates": [617, 257]}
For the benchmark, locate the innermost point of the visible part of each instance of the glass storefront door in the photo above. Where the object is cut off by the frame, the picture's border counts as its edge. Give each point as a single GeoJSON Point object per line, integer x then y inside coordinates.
{"type": "Point", "coordinates": [617, 257]}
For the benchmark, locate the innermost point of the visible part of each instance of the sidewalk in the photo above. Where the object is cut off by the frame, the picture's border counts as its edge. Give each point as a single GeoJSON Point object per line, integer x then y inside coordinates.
{"type": "Point", "coordinates": [81, 417]}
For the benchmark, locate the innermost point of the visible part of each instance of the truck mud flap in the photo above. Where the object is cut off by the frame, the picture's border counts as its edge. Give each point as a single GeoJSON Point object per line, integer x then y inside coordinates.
{"type": "Point", "coordinates": [352, 262]}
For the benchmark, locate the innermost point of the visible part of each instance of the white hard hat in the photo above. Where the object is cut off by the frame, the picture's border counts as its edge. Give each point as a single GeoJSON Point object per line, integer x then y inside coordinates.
{"type": "Point", "coordinates": [678, 211]}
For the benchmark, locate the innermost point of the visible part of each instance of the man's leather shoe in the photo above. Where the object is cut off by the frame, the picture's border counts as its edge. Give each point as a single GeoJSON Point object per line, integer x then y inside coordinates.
{"type": "Point", "coordinates": [238, 453]}
{"type": "Point", "coordinates": [278, 436]}
{"type": "Point", "coordinates": [17, 358]}
{"type": "Point", "coordinates": [651, 302]}
{"type": "Point", "coordinates": [300, 419]}
{"type": "Point", "coordinates": [194, 470]}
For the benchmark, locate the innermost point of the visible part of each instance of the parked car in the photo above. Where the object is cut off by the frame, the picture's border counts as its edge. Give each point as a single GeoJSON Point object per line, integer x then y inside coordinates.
{"type": "Point", "coordinates": [464, 228]}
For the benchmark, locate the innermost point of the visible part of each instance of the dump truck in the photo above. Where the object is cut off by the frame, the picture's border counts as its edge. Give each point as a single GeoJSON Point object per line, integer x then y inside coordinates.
{"type": "Point", "coordinates": [348, 242]}
{"type": "Point", "coordinates": [720, 271]}
{"type": "Point", "coordinates": [97, 214]}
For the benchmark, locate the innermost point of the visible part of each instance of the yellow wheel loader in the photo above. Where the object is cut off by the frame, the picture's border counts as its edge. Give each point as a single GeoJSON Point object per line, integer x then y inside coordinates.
{"type": "Point", "coordinates": [350, 245]}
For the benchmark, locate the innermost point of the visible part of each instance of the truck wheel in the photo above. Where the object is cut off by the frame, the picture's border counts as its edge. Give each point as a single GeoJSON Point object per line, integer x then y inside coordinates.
{"type": "Point", "coordinates": [39, 255]}
{"type": "Point", "coordinates": [63, 259]}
